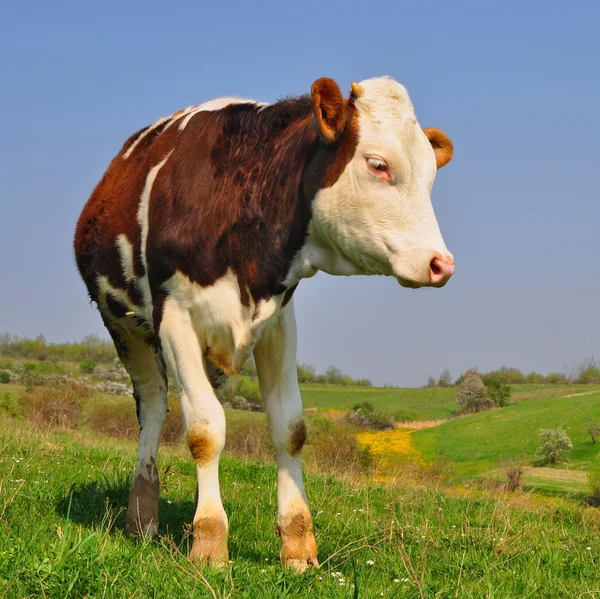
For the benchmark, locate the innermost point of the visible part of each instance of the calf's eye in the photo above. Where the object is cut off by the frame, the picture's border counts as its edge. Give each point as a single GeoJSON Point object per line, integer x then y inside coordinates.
{"type": "Point", "coordinates": [377, 165]}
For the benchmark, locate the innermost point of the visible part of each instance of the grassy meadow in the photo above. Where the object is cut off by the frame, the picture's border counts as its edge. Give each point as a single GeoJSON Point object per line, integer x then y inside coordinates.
{"type": "Point", "coordinates": [62, 495]}
{"type": "Point", "coordinates": [418, 511]}
{"type": "Point", "coordinates": [481, 442]}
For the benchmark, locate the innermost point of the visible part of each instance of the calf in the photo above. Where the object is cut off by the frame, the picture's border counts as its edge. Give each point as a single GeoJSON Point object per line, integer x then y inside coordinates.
{"type": "Point", "coordinates": [196, 237]}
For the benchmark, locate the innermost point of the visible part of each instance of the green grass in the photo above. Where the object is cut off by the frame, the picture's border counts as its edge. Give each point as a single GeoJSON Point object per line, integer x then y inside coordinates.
{"type": "Point", "coordinates": [405, 404]}
{"type": "Point", "coordinates": [61, 533]}
{"type": "Point", "coordinates": [419, 403]}
{"type": "Point", "coordinates": [479, 443]}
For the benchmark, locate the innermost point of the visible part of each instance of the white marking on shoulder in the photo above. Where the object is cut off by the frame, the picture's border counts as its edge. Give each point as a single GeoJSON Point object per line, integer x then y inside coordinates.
{"type": "Point", "coordinates": [216, 104]}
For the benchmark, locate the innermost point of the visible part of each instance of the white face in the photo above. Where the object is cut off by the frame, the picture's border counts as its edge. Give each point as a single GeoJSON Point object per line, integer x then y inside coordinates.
{"type": "Point", "coordinates": [377, 218]}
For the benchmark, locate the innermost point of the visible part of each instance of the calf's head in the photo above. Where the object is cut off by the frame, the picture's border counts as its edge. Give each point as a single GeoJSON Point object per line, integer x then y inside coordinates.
{"type": "Point", "coordinates": [373, 214]}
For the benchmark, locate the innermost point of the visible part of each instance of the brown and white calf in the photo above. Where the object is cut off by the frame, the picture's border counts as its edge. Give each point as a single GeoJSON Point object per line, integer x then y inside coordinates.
{"type": "Point", "coordinates": [195, 239]}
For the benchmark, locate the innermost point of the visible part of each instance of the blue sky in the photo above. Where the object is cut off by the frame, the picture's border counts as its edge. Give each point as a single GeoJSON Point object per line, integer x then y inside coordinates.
{"type": "Point", "coordinates": [515, 85]}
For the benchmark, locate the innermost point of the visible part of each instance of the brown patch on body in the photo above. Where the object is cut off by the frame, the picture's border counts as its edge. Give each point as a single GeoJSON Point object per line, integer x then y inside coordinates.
{"type": "Point", "coordinates": [298, 545]}
{"type": "Point", "coordinates": [236, 192]}
{"type": "Point", "coordinates": [203, 444]}
{"type": "Point", "coordinates": [142, 512]}
{"type": "Point", "coordinates": [210, 541]}
{"type": "Point", "coordinates": [297, 437]}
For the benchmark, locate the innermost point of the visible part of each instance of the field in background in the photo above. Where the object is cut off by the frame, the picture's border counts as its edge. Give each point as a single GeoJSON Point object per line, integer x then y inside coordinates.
{"type": "Point", "coordinates": [476, 444]}
{"type": "Point", "coordinates": [418, 404]}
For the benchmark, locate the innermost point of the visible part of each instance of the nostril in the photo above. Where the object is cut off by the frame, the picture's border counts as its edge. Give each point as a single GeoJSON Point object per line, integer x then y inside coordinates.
{"type": "Point", "coordinates": [440, 271]}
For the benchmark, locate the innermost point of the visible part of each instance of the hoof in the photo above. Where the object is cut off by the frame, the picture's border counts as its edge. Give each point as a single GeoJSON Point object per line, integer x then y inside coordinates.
{"type": "Point", "coordinates": [298, 545]}
{"type": "Point", "coordinates": [210, 542]}
{"type": "Point", "coordinates": [142, 513]}
{"type": "Point", "coordinates": [134, 528]}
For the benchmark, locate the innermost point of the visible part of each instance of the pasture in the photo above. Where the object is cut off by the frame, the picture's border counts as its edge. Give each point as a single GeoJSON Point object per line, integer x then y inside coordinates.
{"type": "Point", "coordinates": [476, 444]}
{"type": "Point", "coordinates": [61, 516]}
{"type": "Point", "coordinates": [423, 526]}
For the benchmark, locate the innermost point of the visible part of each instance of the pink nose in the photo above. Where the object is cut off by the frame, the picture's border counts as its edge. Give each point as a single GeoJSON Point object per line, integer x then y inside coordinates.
{"type": "Point", "coordinates": [440, 272]}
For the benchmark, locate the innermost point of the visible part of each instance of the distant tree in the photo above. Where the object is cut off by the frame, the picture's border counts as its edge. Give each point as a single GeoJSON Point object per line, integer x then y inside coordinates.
{"type": "Point", "coordinates": [535, 378]}
{"type": "Point", "coordinates": [462, 377]}
{"type": "Point", "coordinates": [4, 377]}
{"type": "Point", "coordinates": [334, 375]}
{"type": "Point", "coordinates": [363, 383]}
{"type": "Point", "coordinates": [92, 340]}
{"type": "Point", "coordinates": [553, 442]}
{"type": "Point", "coordinates": [557, 378]}
{"type": "Point", "coordinates": [445, 379]}
{"type": "Point", "coordinates": [306, 373]}
{"type": "Point", "coordinates": [589, 372]}
{"type": "Point", "coordinates": [498, 392]}
{"type": "Point", "coordinates": [431, 382]}
{"type": "Point", "coordinates": [594, 430]}
{"type": "Point", "coordinates": [507, 375]}
{"type": "Point", "coordinates": [471, 395]}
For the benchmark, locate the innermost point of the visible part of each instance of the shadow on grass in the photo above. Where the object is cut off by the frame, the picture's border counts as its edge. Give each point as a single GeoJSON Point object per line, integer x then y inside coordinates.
{"type": "Point", "coordinates": [103, 504]}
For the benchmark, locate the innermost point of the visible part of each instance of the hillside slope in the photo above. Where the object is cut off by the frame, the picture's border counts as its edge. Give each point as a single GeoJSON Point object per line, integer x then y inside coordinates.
{"type": "Point", "coordinates": [480, 442]}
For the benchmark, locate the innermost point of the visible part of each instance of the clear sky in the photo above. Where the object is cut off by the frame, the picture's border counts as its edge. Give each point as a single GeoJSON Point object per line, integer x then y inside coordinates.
{"type": "Point", "coordinates": [515, 84]}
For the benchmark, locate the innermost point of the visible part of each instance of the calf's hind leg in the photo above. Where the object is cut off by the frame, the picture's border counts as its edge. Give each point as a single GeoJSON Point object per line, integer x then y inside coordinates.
{"type": "Point", "coordinates": [204, 421]}
{"type": "Point", "coordinates": [150, 391]}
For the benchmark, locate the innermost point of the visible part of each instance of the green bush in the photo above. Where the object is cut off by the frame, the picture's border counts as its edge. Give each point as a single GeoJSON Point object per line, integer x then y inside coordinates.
{"type": "Point", "coordinates": [498, 392]}
{"type": "Point", "coordinates": [365, 415]}
{"type": "Point", "coordinates": [87, 366]}
{"type": "Point", "coordinates": [249, 389]}
{"type": "Point", "coordinates": [334, 449]}
{"type": "Point", "coordinates": [4, 377]}
{"type": "Point", "coordinates": [553, 442]}
{"type": "Point", "coordinates": [594, 430]}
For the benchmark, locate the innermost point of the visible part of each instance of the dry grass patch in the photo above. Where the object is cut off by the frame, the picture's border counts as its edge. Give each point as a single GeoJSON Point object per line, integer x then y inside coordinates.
{"type": "Point", "coordinates": [249, 440]}
{"type": "Point", "coordinates": [57, 405]}
{"type": "Point", "coordinates": [114, 421]}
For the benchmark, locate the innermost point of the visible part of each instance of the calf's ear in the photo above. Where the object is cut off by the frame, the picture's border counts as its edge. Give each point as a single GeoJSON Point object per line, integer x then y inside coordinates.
{"type": "Point", "coordinates": [441, 144]}
{"type": "Point", "coordinates": [329, 108]}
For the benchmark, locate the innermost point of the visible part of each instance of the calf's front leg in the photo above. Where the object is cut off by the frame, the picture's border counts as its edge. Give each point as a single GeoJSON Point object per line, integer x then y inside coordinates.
{"type": "Point", "coordinates": [275, 356]}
